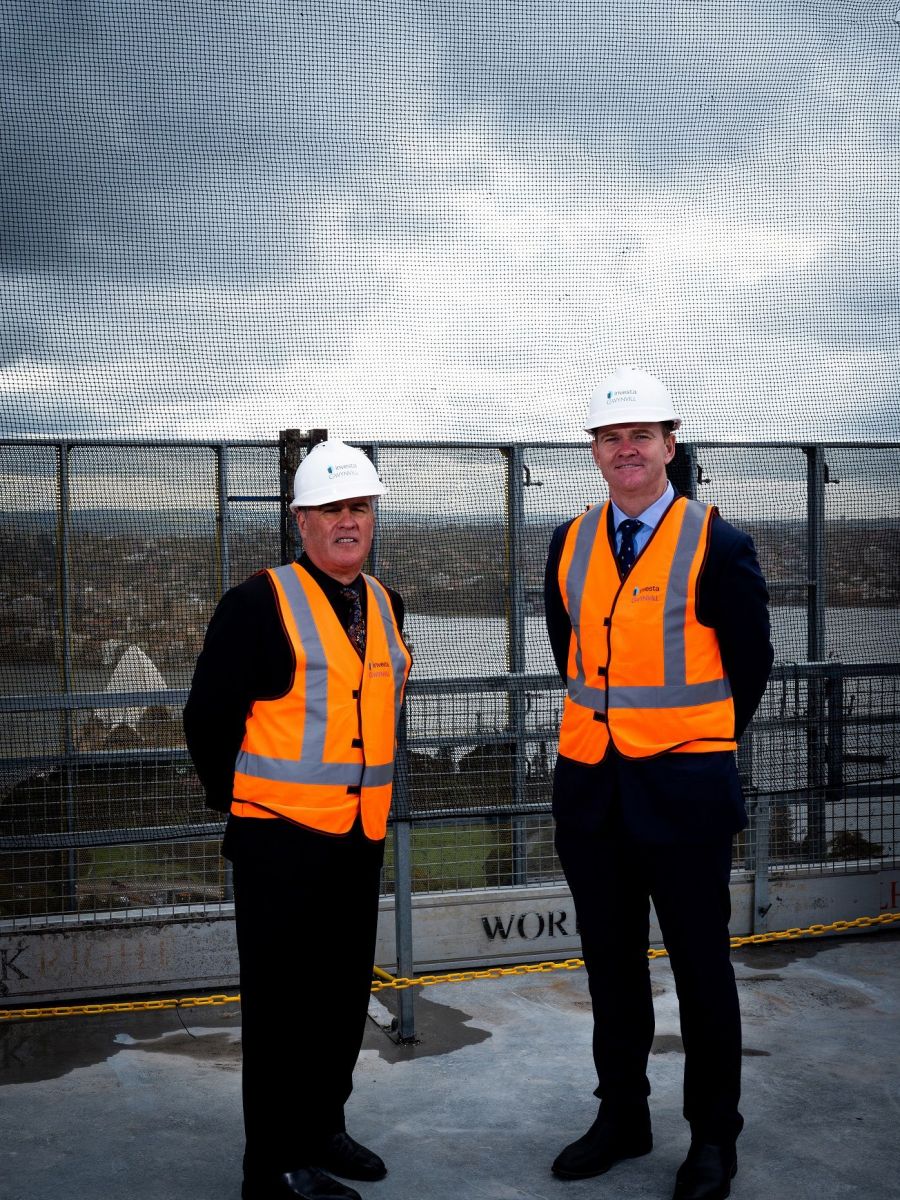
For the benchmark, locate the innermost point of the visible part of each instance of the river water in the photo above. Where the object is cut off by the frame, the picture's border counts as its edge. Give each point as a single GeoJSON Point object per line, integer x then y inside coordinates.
{"type": "Point", "coordinates": [464, 648]}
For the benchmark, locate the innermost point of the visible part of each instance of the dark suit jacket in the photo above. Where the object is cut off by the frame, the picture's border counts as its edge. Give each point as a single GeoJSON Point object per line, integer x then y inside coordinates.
{"type": "Point", "coordinates": [675, 797]}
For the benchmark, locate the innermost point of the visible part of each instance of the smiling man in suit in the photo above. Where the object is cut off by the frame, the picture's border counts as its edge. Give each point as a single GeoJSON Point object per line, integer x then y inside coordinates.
{"type": "Point", "coordinates": [657, 616]}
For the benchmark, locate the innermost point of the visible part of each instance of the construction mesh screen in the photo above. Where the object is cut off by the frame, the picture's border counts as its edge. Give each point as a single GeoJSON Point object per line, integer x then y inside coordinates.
{"type": "Point", "coordinates": [430, 229]}
{"type": "Point", "coordinates": [109, 596]}
{"type": "Point", "coordinates": [435, 219]}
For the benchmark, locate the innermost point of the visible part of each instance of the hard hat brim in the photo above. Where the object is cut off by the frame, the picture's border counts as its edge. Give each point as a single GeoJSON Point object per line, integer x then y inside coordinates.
{"type": "Point", "coordinates": [635, 418]}
{"type": "Point", "coordinates": [322, 496]}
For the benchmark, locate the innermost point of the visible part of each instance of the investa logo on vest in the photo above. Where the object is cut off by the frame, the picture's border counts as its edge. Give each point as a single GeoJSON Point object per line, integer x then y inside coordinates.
{"type": "Point", "coordinates": [651, 592]}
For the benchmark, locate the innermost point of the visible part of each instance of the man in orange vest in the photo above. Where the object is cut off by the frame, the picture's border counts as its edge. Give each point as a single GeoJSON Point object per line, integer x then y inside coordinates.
{"type": "Point", "coordinates": [657, 616]}
{"type": "Point", "coordinates": [291, 722]}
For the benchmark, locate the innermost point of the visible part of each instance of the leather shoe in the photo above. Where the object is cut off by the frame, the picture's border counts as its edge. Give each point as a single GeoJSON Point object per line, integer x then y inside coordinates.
{"type": "Point", "coordinates": [706, 1173]}
{"type": "Point", "coordinates": [306, 1183]}
{"type": "Point", "coordinates": [607, 1142]}
{"type": "Point", "coordinates": [344, 1156]}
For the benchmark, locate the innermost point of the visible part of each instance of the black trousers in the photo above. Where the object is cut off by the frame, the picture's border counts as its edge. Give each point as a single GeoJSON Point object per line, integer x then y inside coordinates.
{"type": "Point", "coordinates": [613, 876]}
{"type": "Point", "coordinates": [306, 914]}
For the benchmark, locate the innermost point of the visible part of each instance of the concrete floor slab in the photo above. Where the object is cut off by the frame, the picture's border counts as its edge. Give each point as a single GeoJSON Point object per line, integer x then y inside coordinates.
{"type": "Point", "coordinates": [147, 1105]}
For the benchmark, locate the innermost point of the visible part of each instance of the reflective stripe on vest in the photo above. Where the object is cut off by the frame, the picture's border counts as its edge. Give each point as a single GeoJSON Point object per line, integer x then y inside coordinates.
{"type": "Point", "coordinates": [398, 652]}
{"type": "Point", "coordinates": [642, 670]}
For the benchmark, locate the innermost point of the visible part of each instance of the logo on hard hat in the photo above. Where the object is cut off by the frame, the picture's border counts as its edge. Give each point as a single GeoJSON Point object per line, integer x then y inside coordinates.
{"type": "Point", "coordinates": [343, 470]}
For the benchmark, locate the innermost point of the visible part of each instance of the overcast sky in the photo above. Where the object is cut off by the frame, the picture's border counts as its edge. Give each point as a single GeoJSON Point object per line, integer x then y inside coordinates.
{"type": "Point", "coordinates": [411, 220]}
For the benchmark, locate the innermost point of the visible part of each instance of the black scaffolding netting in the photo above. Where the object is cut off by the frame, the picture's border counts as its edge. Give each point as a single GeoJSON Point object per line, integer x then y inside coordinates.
{"type": "Point", "coordinates": [431, 228]}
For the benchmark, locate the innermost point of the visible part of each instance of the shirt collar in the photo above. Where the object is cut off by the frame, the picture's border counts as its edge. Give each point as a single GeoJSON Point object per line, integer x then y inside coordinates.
{"type": "Point", "coordinates": [329, 585]}
{"type": "Point", "coordinates": [652, 515]}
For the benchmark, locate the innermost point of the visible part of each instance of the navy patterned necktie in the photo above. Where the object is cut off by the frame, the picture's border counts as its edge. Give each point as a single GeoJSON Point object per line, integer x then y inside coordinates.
{"type": "Point", "coordinates": [626, 554]}
{"type": "Point", "coordinates": [356, 627]}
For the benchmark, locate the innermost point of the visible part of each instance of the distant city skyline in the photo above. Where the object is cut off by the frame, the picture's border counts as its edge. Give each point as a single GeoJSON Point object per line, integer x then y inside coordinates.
{"type": "Point", "coordinates": [180, 484]}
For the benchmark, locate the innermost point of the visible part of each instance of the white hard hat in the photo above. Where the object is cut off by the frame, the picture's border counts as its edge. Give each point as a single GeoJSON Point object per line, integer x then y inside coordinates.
{"type": "Point", "coordinates": [334, 471]}
{"type": "Point", "coordinates": [630, 395]}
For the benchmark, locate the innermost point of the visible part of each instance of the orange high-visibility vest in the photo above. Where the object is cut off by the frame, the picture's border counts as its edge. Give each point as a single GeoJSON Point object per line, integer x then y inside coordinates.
{"type": "Point", "coordinates": [643, 674]}
{"type": "Point", "coordinates": [325, 750]}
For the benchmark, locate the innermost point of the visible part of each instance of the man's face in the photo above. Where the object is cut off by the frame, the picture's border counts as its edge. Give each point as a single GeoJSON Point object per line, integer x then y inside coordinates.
{"type": "Point", "coordinates": [632, 459]}
{"type": "Point", "coordinates": [337, 536]}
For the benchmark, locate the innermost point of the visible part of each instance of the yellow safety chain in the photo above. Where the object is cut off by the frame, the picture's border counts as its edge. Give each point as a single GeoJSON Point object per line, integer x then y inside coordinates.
{"type": "Point", "coordinates": [118, 1006]}
{"type": "Point", "coordinates": [383, 980]}
{"type": "Point", "coordinates": [573, 964]}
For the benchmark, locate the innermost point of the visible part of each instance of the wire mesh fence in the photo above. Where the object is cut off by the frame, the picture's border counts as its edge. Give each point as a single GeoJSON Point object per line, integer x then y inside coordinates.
{"type": "Point", "coordinates": [107, 592]}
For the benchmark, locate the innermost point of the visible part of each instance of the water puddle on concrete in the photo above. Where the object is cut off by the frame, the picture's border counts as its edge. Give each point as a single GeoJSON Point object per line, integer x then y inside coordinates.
{"type": "Point", "coordinates": [217, 1048]}
{"type": "Point", "coordinates": [440, 1029]}
{"type": "Point", "coordinates": [778, 954]}
{"type": "Point", "coordinates": [671, 1043]}
{"type": "Point", "coordinates": [35, 1050]}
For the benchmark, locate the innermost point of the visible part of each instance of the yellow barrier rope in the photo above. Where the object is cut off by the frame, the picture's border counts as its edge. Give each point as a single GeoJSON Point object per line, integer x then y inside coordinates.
{"type": "Point", "coordinates": [385, 981]}
{"type": "Point", "coordinates": [118, 1006]}
{"type": "Point", "coordinates": [573, 964]}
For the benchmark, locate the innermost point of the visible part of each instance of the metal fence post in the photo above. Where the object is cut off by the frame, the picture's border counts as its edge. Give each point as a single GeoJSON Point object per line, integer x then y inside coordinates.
{"type": "Point", "coordinates": [834, 699]}
{"type": "Point", "coordinates": [515, 477]}
{"type": "Point", "coordinates": [223, 564]}
{"type": "Point", "coordinates": [815, 652]}
{"type": "Point", "coordinates": [815, 536]}
{"type": "Point", "coordinates": [291, 445]}
{"type": "Point", "coordinates": [683, 471]}
{"type": "Point", "coordinates": [403, 928]}
{"type": "Point", "coordinates": [375, 551]}
{"type": "Point", "coordinates": [223, 532]}
{"type": "Point", "coordinates": [758, 842]}
{"type": "Point", "coordinates": [70, 901]}
{"type": "Point", "coordinates": [760, 810]}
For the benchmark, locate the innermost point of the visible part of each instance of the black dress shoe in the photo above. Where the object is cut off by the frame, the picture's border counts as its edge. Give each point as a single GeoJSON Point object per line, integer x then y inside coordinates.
{"type": "Point", "coordinates": [706, 1173]}
{"type": "Point", "coordinates": [306, 1183]}
{"type": "Point", "coordinates": [607, 1142]}
{"type": "Point", "coordinates": [347, 1158]}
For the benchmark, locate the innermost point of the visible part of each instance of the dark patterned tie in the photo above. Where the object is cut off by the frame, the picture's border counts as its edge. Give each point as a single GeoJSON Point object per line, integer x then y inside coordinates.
{"type": "Point", "coordinates": [626, 555]}
{"type": "Point", "coordinates": [356, 627]}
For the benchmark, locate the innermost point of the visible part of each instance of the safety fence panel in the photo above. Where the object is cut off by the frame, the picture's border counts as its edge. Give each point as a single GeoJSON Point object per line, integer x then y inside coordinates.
{"type": "Point", "coordinates": [115, 554]}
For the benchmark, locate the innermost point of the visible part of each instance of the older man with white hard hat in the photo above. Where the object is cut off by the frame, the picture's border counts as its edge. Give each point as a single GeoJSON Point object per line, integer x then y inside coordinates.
{"type": "Point", "coordinates": [291, 722]}
{"type": "Point", "coordinates": [657, 616]}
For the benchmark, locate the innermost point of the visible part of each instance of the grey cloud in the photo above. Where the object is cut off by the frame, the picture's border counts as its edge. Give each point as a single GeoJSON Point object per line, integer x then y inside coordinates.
{"type": "Point", "coordinates": [847, 299]}
{"type": "Point", "coordinates": [153, 148]}
{"type": "Point", "coordinates": [198, 142]}
{"type": "Point", "coordinates": [30, 417]}
{"type": "Point", "coordinates": [187, 141]}
{"type": "Point", "coordinates": [652, 88]}
{"type": "Point", "coordinates": [234, 330]}
{"type": "Point", "coordinates": [851, 309]}
{"type": "Point", "coordinates": [175, 141]}
{"type": "Point", "coordinates": [20, 338]}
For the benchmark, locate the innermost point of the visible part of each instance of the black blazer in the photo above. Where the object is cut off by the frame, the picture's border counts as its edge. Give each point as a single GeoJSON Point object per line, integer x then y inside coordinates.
{"type": "Point", "coordinates": [675, 797]}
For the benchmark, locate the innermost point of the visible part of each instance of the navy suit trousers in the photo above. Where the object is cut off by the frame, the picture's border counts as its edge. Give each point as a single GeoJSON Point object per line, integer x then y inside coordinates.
{"type": "Point", "coordinates": [613, 876]}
